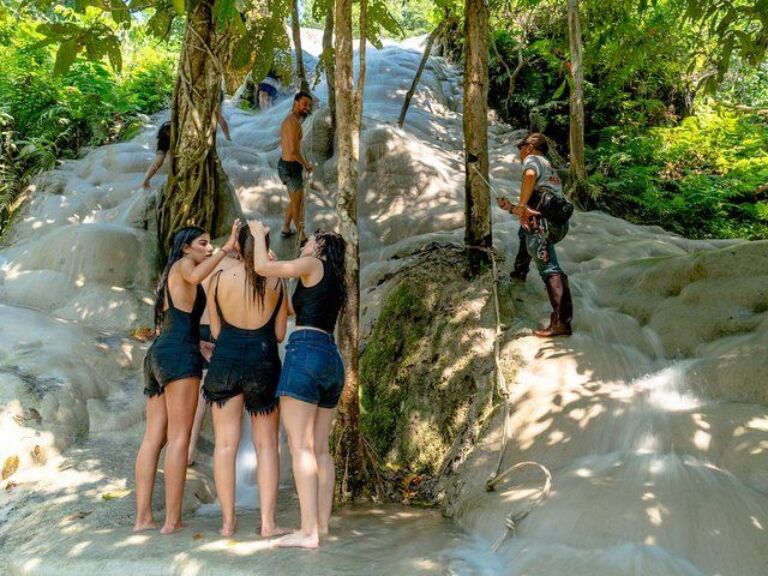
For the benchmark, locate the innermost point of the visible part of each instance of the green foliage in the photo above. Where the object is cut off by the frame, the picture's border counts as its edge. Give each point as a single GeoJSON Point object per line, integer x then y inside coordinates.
{"type": "Point", "coordinates": [386, 18]}
{"type": "Point", "coordinates": [83, 29]}
{"type": "Point", "coordinates": [740, 28]}
{"type": "Point", "coordinates": [45, 116]}
{"type": "Point", "coordinates": [381, 23]}
{"type": "Point", "coordinates": [704, 178]}
{"type": "Point", "coordinates": [746, 85]}
{"type": "Point", "coordinates": [263, 43]}
{"type": "Point", "coordinates": [20, 160]}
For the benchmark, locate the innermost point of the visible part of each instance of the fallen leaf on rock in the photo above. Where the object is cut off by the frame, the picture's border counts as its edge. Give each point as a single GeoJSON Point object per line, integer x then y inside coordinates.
{"type": "Point", "coordinates": [197, 536]}
{"type": "Point", "coordinates": [143, 334]}
{"type": "Point", "coordinates": [38, 455]}
{"type": "Point", "coordinates": [115, 494]}
{"type": "Point", "coordinates": [10, 466]}
{"type": "Point", "coordinates": [11, 485]}
{"type": "Point", "coordinates": [28, 415]}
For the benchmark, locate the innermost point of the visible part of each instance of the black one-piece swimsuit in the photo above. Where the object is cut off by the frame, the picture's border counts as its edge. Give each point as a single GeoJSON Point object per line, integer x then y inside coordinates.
{"type": "Point", "coordinates": [175, 354]}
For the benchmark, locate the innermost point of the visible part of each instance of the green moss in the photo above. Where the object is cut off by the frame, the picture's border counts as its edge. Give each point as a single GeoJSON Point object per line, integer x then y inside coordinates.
{"type": "Point", "coordinates": [416, 374]}
{"type": "Point", "coordinates": [402, 321]}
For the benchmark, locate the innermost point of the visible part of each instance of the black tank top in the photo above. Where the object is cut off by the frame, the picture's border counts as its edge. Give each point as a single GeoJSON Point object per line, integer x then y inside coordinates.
{"type": "Point", "coordinates": [319, 305]}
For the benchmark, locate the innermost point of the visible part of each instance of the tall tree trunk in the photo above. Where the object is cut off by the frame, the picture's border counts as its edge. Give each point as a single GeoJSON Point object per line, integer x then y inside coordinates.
{"type": "Point", "coordinates": [197, 191]}
{"type": "Point", "coordinates": [477, 195]}
{"type": "Point", "coordinates": [328, 64]}
{"type": "Point", "coordinates": [350, 453]}
{"type": "Point", "coordinates": [578, 171]}
{"type": "Point", "coordinates": [296, 31]}
{"type": "Point", "coordinates": [425, 57]}
{"type": "Point", "coordinates": [358, 113]}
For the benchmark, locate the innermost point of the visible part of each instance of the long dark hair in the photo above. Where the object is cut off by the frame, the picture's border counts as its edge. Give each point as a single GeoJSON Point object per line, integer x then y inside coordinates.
{"type": "Point", "coordinates": [332, 248]}
{"type": "Point", "coordinates": [183, 237]}
{"type": "Point", "coordinates": [255, 284]}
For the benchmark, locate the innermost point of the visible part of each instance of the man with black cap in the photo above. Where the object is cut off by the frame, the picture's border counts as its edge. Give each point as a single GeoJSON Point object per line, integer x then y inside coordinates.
{"type": "Point", "coordinates": [538, 235]}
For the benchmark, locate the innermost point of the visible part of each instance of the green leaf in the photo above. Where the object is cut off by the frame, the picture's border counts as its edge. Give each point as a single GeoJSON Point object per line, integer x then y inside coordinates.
{"type": "Point", "coordinates": [115, 56]}
{"type": "Point", "coordinates": [320, 8]}
{"type": "Point", "coordinates": [241, 55]}
{"type": "Point", "coordinates": [65, 57]}
{"type": "Point", "coordinates": [178, 5]}
{"type": "Point", "coordinates": [95, 49]}
{"type": "Point", "coordinates": [560, 90]}
{"type": "Point", "coordinates": [159, 25]}
{"type": "Point", "coordinates": [225, 11]}
{"type": "Point", "coordinates": [119, 12]}
{"type": "Point", "coordinates": [41, 44]}
{"type": "Point", "coordinates": [59, 30]}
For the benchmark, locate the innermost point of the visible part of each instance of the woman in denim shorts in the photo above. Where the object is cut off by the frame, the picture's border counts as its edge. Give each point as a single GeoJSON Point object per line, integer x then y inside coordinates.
{"type": "Point", "coordinates": [313, 373]}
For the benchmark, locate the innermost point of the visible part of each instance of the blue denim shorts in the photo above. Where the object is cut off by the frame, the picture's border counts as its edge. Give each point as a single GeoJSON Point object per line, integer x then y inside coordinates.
{"type": "Point", "coordinates": [312, 369]}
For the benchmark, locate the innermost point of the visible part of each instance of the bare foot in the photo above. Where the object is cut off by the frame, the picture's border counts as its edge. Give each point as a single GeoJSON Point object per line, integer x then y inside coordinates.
{"type": "Point", "coordinates": [323, 531]}
{"type": "Point", "coordinates": [297, 540]}
{"type": "Point", "coordinates": [274, 531]}
{"type": "Point", "coordinates": [171, 528]}
{"type": "Point", "coordinates": [228, 528]}
{"type": "Point", "coordinates": [142, 526]}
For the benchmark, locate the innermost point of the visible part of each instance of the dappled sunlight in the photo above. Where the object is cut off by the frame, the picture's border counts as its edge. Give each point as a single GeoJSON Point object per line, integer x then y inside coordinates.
{"type": "Point", "coordinates": [232, 546]}
{"type": "Point", "coordinates": [133, 540]}
{"type": "Point", "coordinates": [630, 441]}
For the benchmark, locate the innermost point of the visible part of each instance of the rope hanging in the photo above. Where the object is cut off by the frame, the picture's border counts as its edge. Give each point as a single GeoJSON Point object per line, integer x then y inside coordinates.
{"type": "Point", "coordinates": [512, 521]}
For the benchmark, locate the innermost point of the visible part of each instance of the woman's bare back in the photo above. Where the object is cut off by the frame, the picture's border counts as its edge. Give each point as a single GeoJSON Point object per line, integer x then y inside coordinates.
{"type": "Point", "coordinates": [236, 304]}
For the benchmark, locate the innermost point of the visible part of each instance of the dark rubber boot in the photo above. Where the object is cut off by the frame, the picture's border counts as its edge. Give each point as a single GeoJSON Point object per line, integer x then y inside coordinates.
{"type": "Point", "coordinates": [522, 261]}
{"type": "Point", "coordinates": [559, 292]}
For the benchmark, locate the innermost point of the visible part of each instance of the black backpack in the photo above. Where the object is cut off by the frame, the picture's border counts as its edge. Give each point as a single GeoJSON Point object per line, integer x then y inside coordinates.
{"type": "Point", "coordinates": [554, 208]}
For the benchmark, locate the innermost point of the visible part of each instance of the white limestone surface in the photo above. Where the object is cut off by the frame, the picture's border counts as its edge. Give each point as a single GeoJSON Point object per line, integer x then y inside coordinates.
{"type": "Point", "coordinates": [653, 417]}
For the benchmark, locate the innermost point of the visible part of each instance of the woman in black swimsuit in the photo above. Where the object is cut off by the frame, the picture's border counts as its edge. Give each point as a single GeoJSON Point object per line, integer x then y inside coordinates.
{"type": "Point", "coordinates": [248, 315]}
{"type": "Point", "coordinates": [312, 378]}
{"type": "Point", "coordinates": [172, 371]}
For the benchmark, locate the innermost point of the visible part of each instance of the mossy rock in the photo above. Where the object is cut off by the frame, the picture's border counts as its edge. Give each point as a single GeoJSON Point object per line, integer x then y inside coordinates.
{"type": "Point", "coordinates": [418, 370]}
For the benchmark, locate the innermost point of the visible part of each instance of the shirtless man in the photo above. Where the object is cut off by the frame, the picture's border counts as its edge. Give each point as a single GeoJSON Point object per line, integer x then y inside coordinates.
{"type": "Point", "coordinates": [292, 163]}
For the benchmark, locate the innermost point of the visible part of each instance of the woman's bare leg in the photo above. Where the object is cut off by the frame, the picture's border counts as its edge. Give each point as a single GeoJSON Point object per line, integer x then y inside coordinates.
{"type": "Point", "coordinates": [180, 402]}
{"type": "Point", "coordinates": [197, 425]}
{"type": "Point", "coordinates": [265, 430]}
{"type": "Point", "coordinates": [146, 462]}
{"type": "Point", "coordinates": [299, 422]}
{"type": "Point", "coordinates": [227, 422]}
{"type": "Point", "coordinates": [326, 473]}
